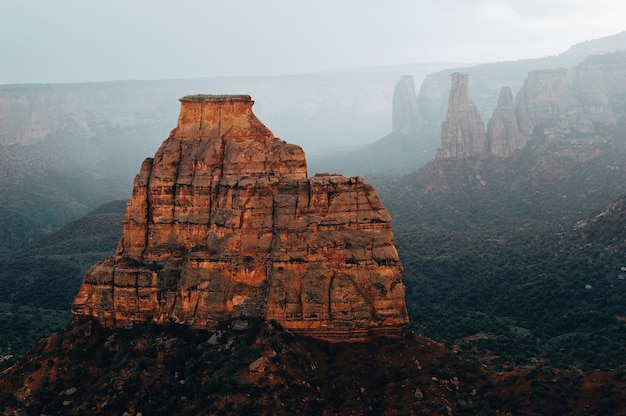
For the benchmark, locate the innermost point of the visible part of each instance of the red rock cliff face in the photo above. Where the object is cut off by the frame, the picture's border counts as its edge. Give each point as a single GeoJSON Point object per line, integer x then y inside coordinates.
{"type": "Point", "coordinates": [224, 222]}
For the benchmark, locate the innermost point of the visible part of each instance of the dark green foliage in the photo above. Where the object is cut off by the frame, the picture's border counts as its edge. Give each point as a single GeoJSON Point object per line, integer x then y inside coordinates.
{"type": "Point", "coordinates": [48, 273]}
{"type": "Point", "coordinates": [540, 292]}
{"type": "Point", "coordinates": [495, 264]}
{"type": "Point", "coordinates": [38, 283]}
{"type": "Point", "coordinates": [22, 326]}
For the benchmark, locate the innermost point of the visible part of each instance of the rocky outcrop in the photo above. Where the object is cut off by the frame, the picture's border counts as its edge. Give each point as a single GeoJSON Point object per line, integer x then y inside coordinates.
{"type": "Point", "coordinates": [546, 102]}
{"type": "Point", "coordinates": [223, 222]}
{"type": "Point", "coordinates": [503, 133]}
{"type": "Point", "coordinates": [463, 132]}
{"type": "Point", "coordinates": [405, 112]}
{"type": "Point", "coordinates": [599, 83]}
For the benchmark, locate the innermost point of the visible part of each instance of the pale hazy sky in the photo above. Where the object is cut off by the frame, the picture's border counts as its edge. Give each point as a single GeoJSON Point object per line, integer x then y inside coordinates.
{"type": "Point", "coordinates": [92, 40]}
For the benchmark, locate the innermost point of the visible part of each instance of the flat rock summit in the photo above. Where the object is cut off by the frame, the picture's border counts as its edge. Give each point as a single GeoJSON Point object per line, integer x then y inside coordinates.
{"type": "Point", "coordinates": [224, 223]}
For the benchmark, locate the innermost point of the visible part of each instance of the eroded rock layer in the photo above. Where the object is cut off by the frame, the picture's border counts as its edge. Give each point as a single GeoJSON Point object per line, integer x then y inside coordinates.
{"type": "Point", "coordinates": [223, 223]}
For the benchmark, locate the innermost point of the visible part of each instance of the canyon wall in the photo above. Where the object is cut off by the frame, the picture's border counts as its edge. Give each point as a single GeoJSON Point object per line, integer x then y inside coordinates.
{"type": "Point", "coordinates": [573, 109]}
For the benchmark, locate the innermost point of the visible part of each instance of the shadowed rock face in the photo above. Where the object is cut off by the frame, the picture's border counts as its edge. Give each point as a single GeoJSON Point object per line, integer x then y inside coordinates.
{"type": "Point", "coordinates": [223, 222]}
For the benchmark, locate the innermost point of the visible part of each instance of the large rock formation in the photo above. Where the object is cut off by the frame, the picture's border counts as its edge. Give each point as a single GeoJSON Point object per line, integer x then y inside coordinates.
{"type": "Point", "coordinates": [463, 132]}
{"type": "Point", "coordinates": [503, 134]}
{"type": "Point", "coordinates": [547, 102]}
{"type": "Point", "coordinates": [599, 83]}
{"type": "Point", "coordinates": [223, 222]}
{"type": "Point", "coordinates": [405, 112]}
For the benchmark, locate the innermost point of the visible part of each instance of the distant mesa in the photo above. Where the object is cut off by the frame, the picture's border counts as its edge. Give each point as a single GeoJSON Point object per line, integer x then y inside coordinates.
{"type": "Point", "coordinates": [224, 223]}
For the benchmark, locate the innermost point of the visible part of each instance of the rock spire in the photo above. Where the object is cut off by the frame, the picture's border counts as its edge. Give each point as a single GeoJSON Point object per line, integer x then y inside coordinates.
{"type": "Point", "coordinates": [463, 131]}
{"type": "Point", "coordinates": [503, 134]}
{"type": "Point", "coordinates": [224, 223]}
{"type": "Point", "coordinates": [405, 112]}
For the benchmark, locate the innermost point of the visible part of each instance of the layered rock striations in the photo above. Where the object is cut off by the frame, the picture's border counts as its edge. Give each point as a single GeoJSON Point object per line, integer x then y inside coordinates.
{"type": "Point", "coordinates": [223, 222]}
{"type": "Point", "coordinates": [405, 113]}
{"type": "Point", "coordinates": [463, 131]}
{"type": "Point", "coordinates": [503, 134]}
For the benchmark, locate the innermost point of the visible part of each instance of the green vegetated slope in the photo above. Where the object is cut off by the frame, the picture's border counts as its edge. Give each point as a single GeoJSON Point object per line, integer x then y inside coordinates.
{"type": "Point", "coordinates": [38, 283]}
{"type": "Point", "coordinates": [504, 262]}
{"type": "Point", "coordinates": [539, 183]}
{"type": "Point", "coordinates": [47, 184]}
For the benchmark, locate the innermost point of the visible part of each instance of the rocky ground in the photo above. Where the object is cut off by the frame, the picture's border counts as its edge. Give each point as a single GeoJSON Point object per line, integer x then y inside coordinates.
{"type": "Point", "coordinates": [257, 367]}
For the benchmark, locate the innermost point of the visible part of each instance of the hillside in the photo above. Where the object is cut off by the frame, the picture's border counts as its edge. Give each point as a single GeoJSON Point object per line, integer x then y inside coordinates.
{"type": "Point", "coordinates": [595, 78]}
{"type": "Point", "coordinates": [502, 260]}
{"type": "Point", "coordinates": [598, 46]}
{"type": "Point", "coordinates": [253, 367]}
{"type": "Point", "coordinates": [38, 284]}
{"type": "Point", "coordinates": [514, 296]}
{"type": "Point", "coordinates": [487, 79]}
{"type": "Point", "coordinates": [541, 182]}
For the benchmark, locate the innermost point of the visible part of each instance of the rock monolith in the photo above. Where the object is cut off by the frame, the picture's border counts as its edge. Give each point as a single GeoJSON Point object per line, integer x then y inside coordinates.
{"type": "Point", "coordinates": [224, 223]}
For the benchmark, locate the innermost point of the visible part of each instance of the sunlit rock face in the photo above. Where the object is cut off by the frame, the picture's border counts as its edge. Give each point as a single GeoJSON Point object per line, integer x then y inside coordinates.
{"type": "Point", "coordinates": [224, 223]}
{"type": "Point", "coordinates": [463, 131]}
{"type": "Point", "coordinates": [26, 118]}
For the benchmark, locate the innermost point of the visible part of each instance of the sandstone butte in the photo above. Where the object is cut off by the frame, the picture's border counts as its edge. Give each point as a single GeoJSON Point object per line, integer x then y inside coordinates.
{"type": "Point", "coordinates": [224, 223]}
